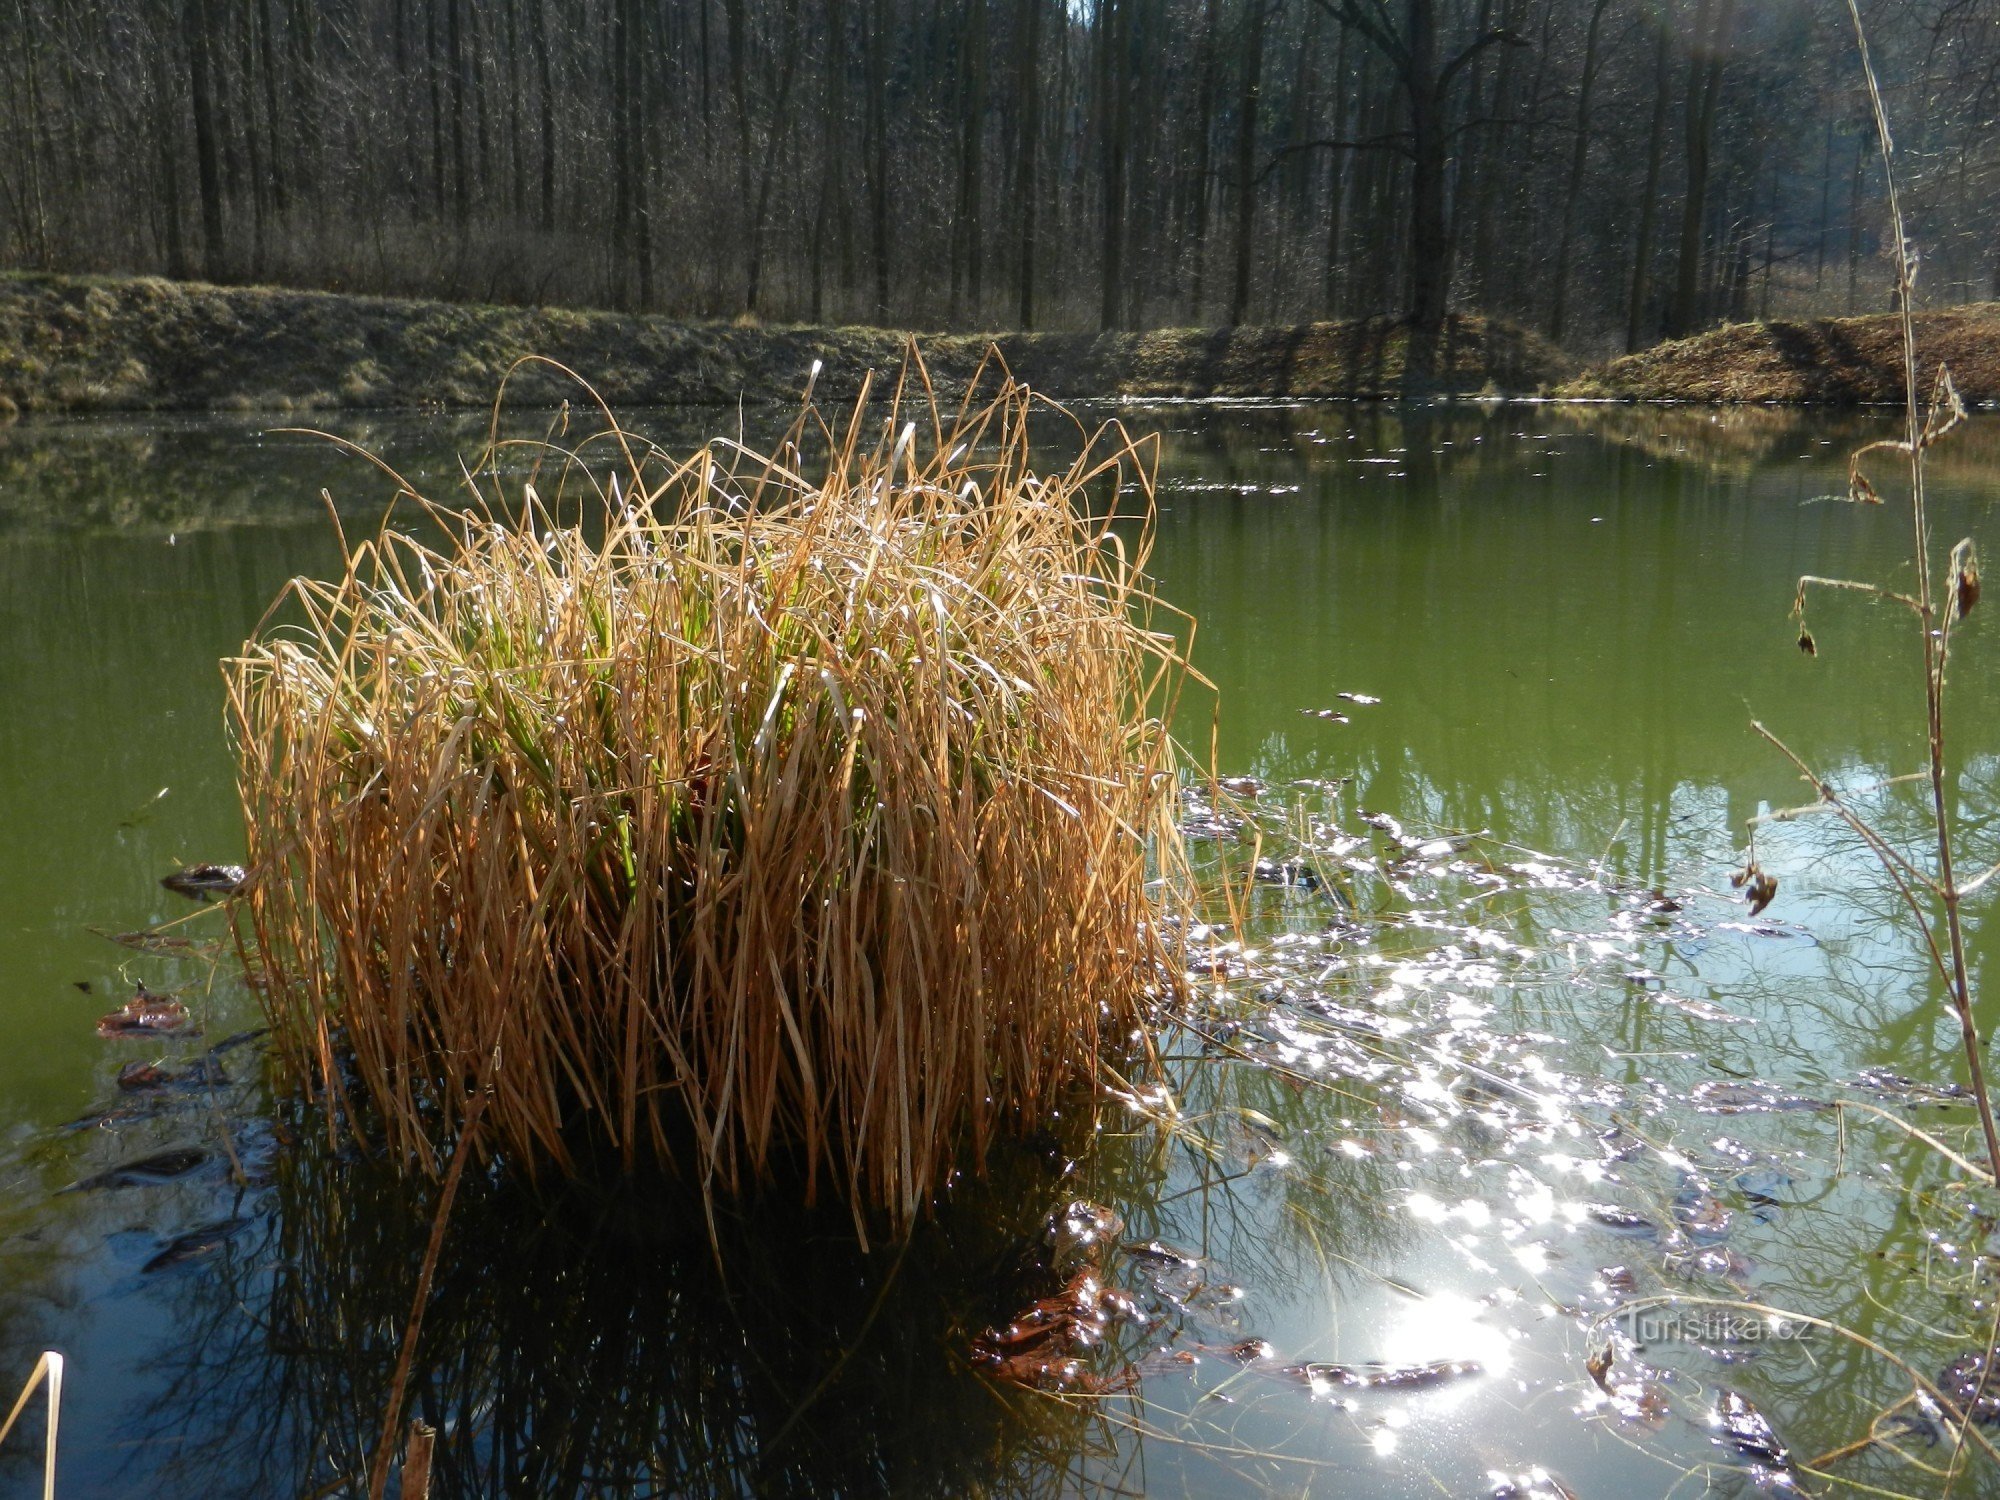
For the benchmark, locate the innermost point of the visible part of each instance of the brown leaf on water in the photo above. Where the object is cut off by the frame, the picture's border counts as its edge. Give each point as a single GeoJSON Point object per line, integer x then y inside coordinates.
{"type": "Point", "coordinates": [135, 1076]}
{"type": "Point", "coordinates": [1964, 579]}
{"type": "Point", "coordinates": [1599, 1365]}
{"type": "Point", "coordinates": [146, 1014]}
{"type": "Point", "coordinates": [1740, 1426]}
{"type": "Point", "coordinates": [148, 941]}
{"type": "Point", "coordinates": [206, 881]}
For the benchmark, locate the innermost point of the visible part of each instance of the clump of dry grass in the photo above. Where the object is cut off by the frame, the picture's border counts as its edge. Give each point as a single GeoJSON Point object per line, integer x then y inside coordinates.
{"type": "Point", "coordinates": [791, 821]}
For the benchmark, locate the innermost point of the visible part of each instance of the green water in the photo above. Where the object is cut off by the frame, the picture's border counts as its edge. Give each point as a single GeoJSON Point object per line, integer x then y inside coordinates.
{"type": "Point", "coordinates": [1569, 618]}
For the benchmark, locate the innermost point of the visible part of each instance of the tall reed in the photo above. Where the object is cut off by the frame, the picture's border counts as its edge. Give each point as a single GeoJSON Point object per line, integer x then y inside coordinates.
{"type": "Point", "coordinates": [769, 822]}
{"type": "Point", "coordinates": [1938, 602]}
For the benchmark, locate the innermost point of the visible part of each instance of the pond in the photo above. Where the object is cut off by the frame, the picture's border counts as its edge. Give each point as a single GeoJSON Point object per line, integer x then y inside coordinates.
{"type": "Point", "coordinates": [1473, 1168]}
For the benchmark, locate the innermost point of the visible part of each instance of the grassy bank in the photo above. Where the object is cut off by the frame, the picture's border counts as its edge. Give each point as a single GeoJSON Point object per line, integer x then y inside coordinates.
{"type": "Point", "coordinates": [1836, 361]}
{"type": "Point", "coordinates": [140, 344]}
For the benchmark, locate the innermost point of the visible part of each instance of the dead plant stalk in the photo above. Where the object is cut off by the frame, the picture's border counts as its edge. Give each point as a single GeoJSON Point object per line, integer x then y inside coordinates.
{"type": "Point", "coordinates": [1935, 620]}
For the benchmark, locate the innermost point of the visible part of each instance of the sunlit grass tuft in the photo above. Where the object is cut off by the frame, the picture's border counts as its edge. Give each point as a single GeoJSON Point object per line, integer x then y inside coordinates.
{"type": "Point", "coordinates": [777, 822]}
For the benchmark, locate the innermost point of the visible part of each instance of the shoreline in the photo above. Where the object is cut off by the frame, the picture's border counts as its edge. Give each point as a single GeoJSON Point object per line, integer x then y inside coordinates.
{"type": "Point", "coordinates": [1809, 362]}
{"type": "Point", "coordinates": [132, 344]}
{"type": "Point", "coordinates": [80, 344]}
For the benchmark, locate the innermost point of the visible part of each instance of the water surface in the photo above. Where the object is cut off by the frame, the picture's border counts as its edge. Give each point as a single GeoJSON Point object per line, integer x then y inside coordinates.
{"type": "Point", "coordinates": [1464, 1101]}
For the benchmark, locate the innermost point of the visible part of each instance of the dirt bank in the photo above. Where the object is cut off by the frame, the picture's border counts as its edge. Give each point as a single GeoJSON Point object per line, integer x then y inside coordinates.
{"type": "Point", "coordinates": [1839, 361]}
{"type": "Point", "coordinates": [136, 344]}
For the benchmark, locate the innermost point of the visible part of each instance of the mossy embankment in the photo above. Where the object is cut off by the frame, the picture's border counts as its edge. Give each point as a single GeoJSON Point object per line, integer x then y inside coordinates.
{"type": "Point", "coordinates": [1830, 361]}
{"type": "Point", "coordinates": [143, 344]}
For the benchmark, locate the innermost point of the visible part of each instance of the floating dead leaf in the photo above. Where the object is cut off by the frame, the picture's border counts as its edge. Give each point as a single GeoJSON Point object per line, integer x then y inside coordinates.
{"type": "Point", "coordinates": [1623, 1221]}
{"type": "Point", "coordinates": [1739, 1425]}
{"type": "Point", "coordinates": [146, 1171]}
{"type": "Point", "coordinates": [1701, 1214]}
{"type": "Point", "coordinates": [1535, 1484]}
{"type": "Point", "coordinates": [1082, 1227]}
{"type": "Point", "coordinates": [1642, 1403]}
{"type": "Point", "coordinates": [137, 1076]}
{"type": "Point", "coordinates": [145, 1014]}
{"type": "Point", "coordinates": [1038, 1348]}
{"type": "Point", "coordinates": [1726, 1097]}
{"type": "Point", "coordinates": [1598, 1363]}
{"type": "Point", "coordinates": [195, 1244]}
{"type": "Point", "coordinates": [1161, 1254]}
{"type": "Point", "coordinates": [1702, 1010]}
{"type": "Point", "coordinates": [149, 942]}
{"type": "Point", "coordinates": [206, 882]}
{"type": "Point", "coordinates": [1376, 1377]}
{"type": "Point", "coordinates": [1911, 1090]}
{"type": "Point", "coordinates": [1969, 1386]}
{"type": "Point", "coordinates": [1731, 1267]}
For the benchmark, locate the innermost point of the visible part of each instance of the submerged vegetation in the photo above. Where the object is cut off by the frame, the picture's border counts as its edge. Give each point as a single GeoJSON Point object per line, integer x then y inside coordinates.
{"type": "Point", "coordinates": [775, 813]}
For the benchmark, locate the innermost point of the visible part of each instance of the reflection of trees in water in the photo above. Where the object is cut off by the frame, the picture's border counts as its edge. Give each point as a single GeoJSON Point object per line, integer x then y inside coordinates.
{"type": "Point", "coordinates": [140, 476]}
{"type": "Point", "coordinates": [582, 1341]}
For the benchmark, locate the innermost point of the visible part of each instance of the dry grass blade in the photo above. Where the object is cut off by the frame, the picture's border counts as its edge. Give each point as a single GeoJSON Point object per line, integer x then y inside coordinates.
{"type": "Point", "coordinates": [788, 822]}
{"type": "Point", "coordinates": [48, 1369]}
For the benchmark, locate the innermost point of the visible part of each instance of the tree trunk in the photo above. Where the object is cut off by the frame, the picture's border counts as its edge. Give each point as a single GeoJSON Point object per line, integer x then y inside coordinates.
{"type": "Point", "coordinates": [267, 65]}
{"type": "Point", "coordinates": [167, 131]}
{"type": "Point", "coordinates": [1825, 211]}
{"type": "Point", "coordinates": [1863, 138]}
{"type": "Point", "coordinates": [1029, 113]}
{"type": "Point", "coordinates": [1204, 165]}
{"type": "Point", "coordinates": [1345, 120]}
{"type": "Point", "coordinates": [875, 44]}
{"type": "Point", "coordinates": [1573, 188]}
{"type": "Point", "coordinates": [780, 115]}
{"type": "Point", "coordinates": [37, 236]}
{"type": "Point", "coordinates": [1430, 266]}
{"type": "Point", "coordinates": [208, 174]}
{"type": "Point", "coordinates": [1649, 197]}
{"type": "Point", "coordinates": [434, 71]}
{"type": "Point", "coordinates": [517, 162]}
{"type": "Point", "coordinates": [1114, 100]}
{"type": "Point", "coordinates": [461, 175]}
{"type": "Point", "coordinates": [1246, 159]}
{"type": "Point", "coordinates": [1704, 86]}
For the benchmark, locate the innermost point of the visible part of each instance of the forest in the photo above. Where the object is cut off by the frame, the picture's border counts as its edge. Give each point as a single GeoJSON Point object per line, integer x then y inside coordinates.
{"type": "Point", "coordinates": [1605, 172]}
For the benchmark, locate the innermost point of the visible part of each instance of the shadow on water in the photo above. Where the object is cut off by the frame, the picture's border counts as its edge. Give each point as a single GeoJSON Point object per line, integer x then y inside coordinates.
{"type": "Point", "coordinates": [577, 1340]}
